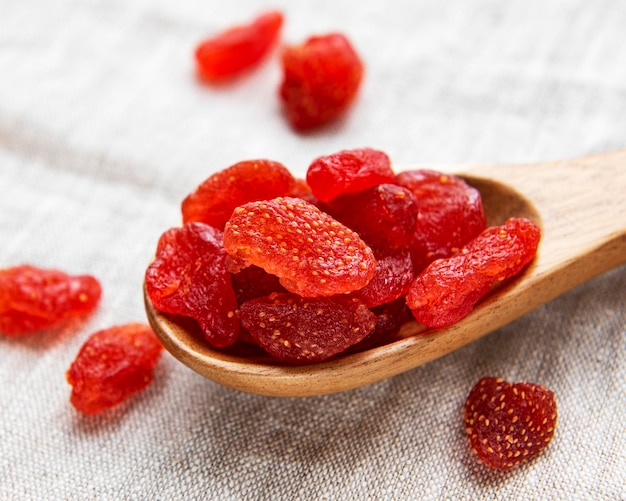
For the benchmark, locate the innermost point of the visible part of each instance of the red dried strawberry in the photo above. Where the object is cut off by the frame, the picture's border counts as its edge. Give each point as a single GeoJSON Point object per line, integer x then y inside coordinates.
{"type": "Point", "coordinates": [239, 48]}
{"type": "Point", "coordinates": [508, 423]}
{"type": "Point", "coordinates": [447, 290]}
{"type": "Point", "coordinates": [313, 254]}
{"type": "Point", "coordinates": [390, 317]}
{"type": "Point", "coordinates": [189, 277]}
{"type": "Point", "coordinates": [348, 171]}
{"type": "Point", "coordinates": [112, 365]}
{"type": "Point", "coordinates": [384, 216]}
{"type": "Point", "coordinates": [301, 330]}
{"type": "Point", "coordinates": [253, 282]}
{"type": "Point", "coordinates": [34, 298]}
{"type": "Point", "coordinates": [450, 214]}
{"type": "Point", "coordinates": [321, 78]}
{"type": "Point", "coordinates": [214, 200]}
{"type": "Point", "coordinates": [393, 277]}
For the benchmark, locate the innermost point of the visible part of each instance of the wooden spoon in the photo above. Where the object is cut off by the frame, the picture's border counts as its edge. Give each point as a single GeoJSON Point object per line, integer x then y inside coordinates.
{"type": "Point", "coordinates": [580, 206]}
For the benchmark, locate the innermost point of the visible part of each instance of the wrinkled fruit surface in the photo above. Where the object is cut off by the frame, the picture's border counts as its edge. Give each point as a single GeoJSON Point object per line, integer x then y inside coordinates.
{"type": "Point", "coordinates": [112, 365]}
{"type": "Point", "coordinates": [299, 330]}
{"type": "Point", "coordinates": [348, 171]}
{"type": "Point", "coordinates": [311, 253]}
{"type": "Point", "coordinates": [384, 216]}
{"type": "Point", "coordinates": [214, 200]}
{"type": "Point", "coordinates": [447, 290]}
{"type": "Point", "coordinates": [33, 298]}
{"type": "Point", "coordinates": [238, 49]}
{"type": "Point", "coordinates": [508, 423]}
{"type": "Point", "coordinates": [189, 277]}
{"type": "Point", "coordinates": [321, 79]}
{"type": "Point", "coordinates": [393, 277]}
{"type": "Point", "coordinates": [450, 214]}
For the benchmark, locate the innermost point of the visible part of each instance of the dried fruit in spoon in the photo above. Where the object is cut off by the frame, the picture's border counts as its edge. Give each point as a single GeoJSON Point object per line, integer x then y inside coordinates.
{"type": "Point", "coordinates": [321, 79]}
{"type": "Point", "coordinates": [112, 365]}
{"type": "Point", "coordinates": [508, 423]}
{"type": "Point", "coordinates": [311, 253]}
{"type": "Point", "coordinates": [348, 171]}
{"type": "Point", "coordinates": [393, 277]}
{"type": "Point", "coordinates": [189, 277]}
{"type": "Point", "coordinates": [238, 49]}
{"type": "Point", "coordinates": [33, 298]}
{"type": "Point", "coordinates": [384, 216]}
{"type": "Point", "coordinates": [447, 290]}
{"type": "Point", "coordinates": [214, 200]}
{"type": "Point", "coordinates": [450, 214]}
{"type": "Point", "coordinates": [301, 330]}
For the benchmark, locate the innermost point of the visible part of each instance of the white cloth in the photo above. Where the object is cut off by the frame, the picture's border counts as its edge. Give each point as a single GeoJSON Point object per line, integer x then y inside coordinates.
{"type": "Point", "coordinates": [104, 129]}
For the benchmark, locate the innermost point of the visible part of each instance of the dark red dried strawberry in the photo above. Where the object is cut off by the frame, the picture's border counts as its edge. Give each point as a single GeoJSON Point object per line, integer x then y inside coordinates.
{"type": "Point", "coordinates": [450, 214]}
{"type": "Point", "coordinates": [390, 317]}
{"type": "Point", "coordinates": [301, 330]}
{"type": "Point", "coordinates": [447, 290]}
{"type": "Point", "coordinates": [189, 277]}
{"type": "Point", "coordinates": [313, 254]}
{"type": "Point", "coordinates": [384, 216]}
{"type": "Point", "coordinates": [214, 200]}
{"type": "Point", "coordinates": [393, 277]}
{"type": "Point", "coordinates": [348, 171]}
{"type": "Point", "coordinates": [508, 423]}
{"type": "Point", "coordinates": [321, 78]}
{"type": "Point", "coordinates": [253, 282]}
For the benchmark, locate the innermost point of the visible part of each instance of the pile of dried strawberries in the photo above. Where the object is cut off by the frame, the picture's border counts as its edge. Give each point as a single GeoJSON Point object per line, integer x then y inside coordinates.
{"type": "Point", "coordinates": [309, 268]}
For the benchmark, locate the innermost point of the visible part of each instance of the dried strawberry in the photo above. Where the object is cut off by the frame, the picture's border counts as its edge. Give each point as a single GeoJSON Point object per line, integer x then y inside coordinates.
{"type": "Point", "coordinates": [238, 49]}
{"type": "Point", "coordinates": [189, 277]}
{"type": "Point", "coordinates": [301, 330]}
{"type": "Point", "coordinates": [213, 201]}
{"type": "Point", "coordinates": [390, 317]}
{"type": "Point", "coordinates": [253, 282]}
{"type": "Point", "coordinates": [447, 290]}
{"type": "Point", "coordinates": [33, 298]}
{"type": "Point", "coordinates": [348, 171]}
{"type": "Point", "coordinates": [384, 216]}
{"type": "Point", "coordinates": [508, 423]}
{"type": "Point", "coordinates": [393, 277]}
{"type": "Point", "coordinates": [321, 79]}
{"type": "Point", "coordinates": [112, 365]}
{"type": "Point", "coordinates": [313, 254]}
{"type": "Point", "coordinates": [450, 214]}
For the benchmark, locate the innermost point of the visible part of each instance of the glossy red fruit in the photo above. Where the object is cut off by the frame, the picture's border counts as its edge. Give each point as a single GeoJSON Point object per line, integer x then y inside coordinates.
{"type": "Point", "coordinates": [321, 79]}
{"type": "Point", "coordinates": [447, 290]}
{"type": "Point", "coordinates": [33, 298]}
{"type": "Point", "coordinates": [238, 49]}
{"type": "Point", "coordinates": [450, 214]}
{"type": "Point", "coordinates": [213, 201]}
{"type": "Point", "coordinates": [384, 216]}
{"type": "Point", "coordinates": [112, 365]}
{"type": "Point", "coordinates": [301, 330]}
{"type": "Point", "coordinates": [311, 253]}
{"type": "Point", "coordinates": [393, 277]}
{"type": "Point", "coordinates": [509, 423]}
{"type": "Point", "coordinates": [348, 171]}
{"type": "Point", "coordinates": [188, 277]}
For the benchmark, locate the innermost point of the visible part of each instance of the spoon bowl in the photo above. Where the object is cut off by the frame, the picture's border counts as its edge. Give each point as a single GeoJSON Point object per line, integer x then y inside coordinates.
{"type": "Point", "coordinates": [580, 206]}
